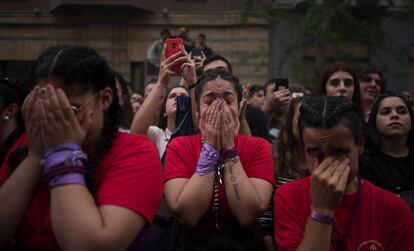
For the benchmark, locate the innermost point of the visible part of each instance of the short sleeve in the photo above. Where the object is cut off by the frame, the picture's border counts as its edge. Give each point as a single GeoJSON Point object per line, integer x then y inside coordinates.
{"type": "Point", "coordinates": [261, 161]}
{"type": "Point", "coordinates": [154, 134]}
{"type": "Point", "coordinates": [402, 234]}
{"type": "Point", "coordinates": [289, 226]}
{"type": "Point", "coordinates": [180, 159]}
{"type": "Point", "coordinates": [132, 177]}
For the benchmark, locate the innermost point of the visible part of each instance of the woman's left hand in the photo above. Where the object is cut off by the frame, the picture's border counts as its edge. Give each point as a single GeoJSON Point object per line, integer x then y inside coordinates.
{"type": "Point", "coordinates": [228, 127]}
{"type": "Point", "coordinates": [59, 123]}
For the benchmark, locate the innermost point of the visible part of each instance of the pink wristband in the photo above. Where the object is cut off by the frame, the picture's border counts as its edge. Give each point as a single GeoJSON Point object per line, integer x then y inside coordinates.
{"type": "Point", "coordinates": [321, 218]}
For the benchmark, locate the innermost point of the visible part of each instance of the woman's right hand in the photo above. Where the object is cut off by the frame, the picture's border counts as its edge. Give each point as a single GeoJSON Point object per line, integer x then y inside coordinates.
{"type": "Point", "coordinates": [210, 123]}
{"type": "Point", "coordinates": [328, 184]}
{"type": "Point", "coordinates": [31, 112]}
{"type": "Point", "coordinates": [166, 65]}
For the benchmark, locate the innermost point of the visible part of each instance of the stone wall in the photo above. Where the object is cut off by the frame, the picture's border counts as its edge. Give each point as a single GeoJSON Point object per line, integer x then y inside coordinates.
{"type": "Point", "coordinates": [124, 39]}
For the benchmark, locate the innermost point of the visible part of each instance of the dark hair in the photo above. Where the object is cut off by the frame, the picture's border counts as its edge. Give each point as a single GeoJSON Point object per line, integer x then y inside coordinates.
{"type": "Point", "coordinates": [151, 81]}
{"type": "Point", "coordinates": [288, 146]}
{"type": "Point", "coordinates": [254, 89]}
{"type": "Point", "coordinates": [11, 92]}
{"type": "Point", "coordinates": [374, 135]}
{"type": "Point", "coordinates": [163, 119]}
{"type": "Point", "coordinates": [126, 114]}
{"type": "Point", "coordinates": [370, 69]}
{"type": "Point", "coordinates": [327, 112]}
{"type": "Point", "coordinates": [217, 57]}
{"type": "Point", "coordinates": [203, 36]}
{"type": "Point", "coordinates": [269, 82]}
{"type": "Point", "coordinates": [330, 69]}
{"type": "Point", "coordinates": [215, 74]}
{"type": "Point", "coordinates": [165, 32]}
{"type": "Point", "coordinates": [84, 68]}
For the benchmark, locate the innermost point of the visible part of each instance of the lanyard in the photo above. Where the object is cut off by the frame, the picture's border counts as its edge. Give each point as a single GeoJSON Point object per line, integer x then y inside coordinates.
{"type": "Point", "coordinates": [337, 243]}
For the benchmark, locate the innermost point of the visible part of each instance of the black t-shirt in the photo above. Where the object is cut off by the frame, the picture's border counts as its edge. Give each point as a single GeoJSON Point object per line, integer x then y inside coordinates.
{"type": "Point", "coordinates": [257, 122]}
{"type": "Point", "coordinates": [390, 173]}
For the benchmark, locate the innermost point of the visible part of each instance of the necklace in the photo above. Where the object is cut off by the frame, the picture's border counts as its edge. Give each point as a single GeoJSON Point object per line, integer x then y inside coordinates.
{"type": "Point", "coordinates": [216, 188]}
{"type": "Point", "coordinates": [338, 243]}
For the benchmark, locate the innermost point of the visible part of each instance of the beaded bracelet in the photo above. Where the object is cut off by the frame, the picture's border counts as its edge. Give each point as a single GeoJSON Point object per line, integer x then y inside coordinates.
{"type": "Point", "coordinates": [229, 154]}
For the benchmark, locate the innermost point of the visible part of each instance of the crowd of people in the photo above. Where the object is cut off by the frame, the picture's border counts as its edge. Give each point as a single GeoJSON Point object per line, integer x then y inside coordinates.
{"type": "Point", "coordinates": [210, 164]}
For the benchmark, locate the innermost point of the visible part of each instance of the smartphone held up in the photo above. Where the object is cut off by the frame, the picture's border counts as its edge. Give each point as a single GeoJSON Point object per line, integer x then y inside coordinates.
{"type": "Point", "coordinates": [173, 46]}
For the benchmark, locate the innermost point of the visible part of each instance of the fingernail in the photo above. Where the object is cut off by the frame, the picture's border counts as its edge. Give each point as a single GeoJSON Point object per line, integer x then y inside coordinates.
{"type": "Point", "coordinates": [42, 91]}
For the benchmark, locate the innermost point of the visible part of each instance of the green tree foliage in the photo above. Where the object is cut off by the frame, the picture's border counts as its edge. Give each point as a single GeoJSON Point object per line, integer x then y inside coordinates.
{"type": "Point", "coordinates": [333, 28]}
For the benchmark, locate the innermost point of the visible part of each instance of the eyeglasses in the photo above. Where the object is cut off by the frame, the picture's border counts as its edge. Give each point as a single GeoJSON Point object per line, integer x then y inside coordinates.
{"type": "Point", "coordinates": [369, 79]}
{"type": "Point", "coordinates": [83, 105]}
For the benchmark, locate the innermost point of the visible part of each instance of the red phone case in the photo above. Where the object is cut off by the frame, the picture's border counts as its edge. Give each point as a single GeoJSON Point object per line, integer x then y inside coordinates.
{"type": "Point", "coordinates": [173, 45]}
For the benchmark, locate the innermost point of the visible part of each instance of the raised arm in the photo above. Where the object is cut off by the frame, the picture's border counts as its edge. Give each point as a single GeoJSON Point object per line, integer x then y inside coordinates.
{"type": "Point", "coordinates": [244, 125]}
{"type": "Point", "coordinates": [144, 117]}
{"type": "Point", "coordinates": [247, 197]}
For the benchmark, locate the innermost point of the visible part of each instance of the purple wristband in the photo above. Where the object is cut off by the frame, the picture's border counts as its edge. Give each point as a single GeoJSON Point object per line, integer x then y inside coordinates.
{"type": "Point", "coordinates": [67, 179]}
{"type": "Point", "coordinates": [62, 160]}
{"type": "Point", "coordinates": [321, 218]}
{"type": "Point", "coordinates": [229, 154]}
{"type": "Point", "coordinates": [208, 160]}
{"type": "Point", "coordinates": [61, 147]}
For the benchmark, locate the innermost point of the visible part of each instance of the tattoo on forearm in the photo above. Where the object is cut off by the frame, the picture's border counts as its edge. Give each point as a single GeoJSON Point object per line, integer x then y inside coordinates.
{"type": "Point", "coordinates": [234, 181]}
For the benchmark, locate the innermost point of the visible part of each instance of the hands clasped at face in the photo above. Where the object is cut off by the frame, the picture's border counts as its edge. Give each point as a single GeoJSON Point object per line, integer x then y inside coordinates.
{"type": "Point", "coordinates": [51, 120]}
{"type": "Point", "coordinates": [217, 125]}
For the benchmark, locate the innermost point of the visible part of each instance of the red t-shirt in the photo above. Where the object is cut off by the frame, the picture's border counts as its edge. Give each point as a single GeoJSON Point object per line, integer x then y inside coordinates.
{"type": "Point", "coordinates": [129, 176]}
{"type": "Point", "coordinates": [383, 221]}
{"type": "Point", "coordinates": [4, 169]}
{"type": "Point", "coordinates": [255, 156]}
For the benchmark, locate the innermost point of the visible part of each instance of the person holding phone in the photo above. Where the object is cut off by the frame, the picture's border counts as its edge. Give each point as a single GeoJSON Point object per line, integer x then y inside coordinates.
{"type": "Point", "coordinates": [335, 209]}
{"type": "Point", "coordinates": [277, 98]}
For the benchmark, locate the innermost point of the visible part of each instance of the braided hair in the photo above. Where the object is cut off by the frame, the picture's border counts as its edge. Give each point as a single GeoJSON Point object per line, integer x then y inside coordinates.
{"type": "Point", "coordinates": [327, 112]}
{"type": "Point", "coordinates": [83, 68]}
{"type": "Point", "coordinates": [11, 92]}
